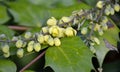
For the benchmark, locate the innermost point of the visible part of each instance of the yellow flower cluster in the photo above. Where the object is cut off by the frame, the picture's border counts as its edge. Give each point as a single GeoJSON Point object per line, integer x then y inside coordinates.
{"type": "Point", "coordinates": [49, 35]}
{"type": "Point", "coordinates": [109, 8]}
{"type": "Point", "coordinates": [55, 29]}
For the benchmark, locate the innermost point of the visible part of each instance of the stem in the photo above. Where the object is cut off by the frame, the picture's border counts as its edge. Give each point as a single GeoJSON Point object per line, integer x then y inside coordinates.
{"type": "Point", "coordinates": [21, 28]}
{"type": "Point", "coordinates": [33, 61]}
{"type": "Point", "coordinates": [10, 41]}
{"type": "Point", "coordinates": [97, 20]}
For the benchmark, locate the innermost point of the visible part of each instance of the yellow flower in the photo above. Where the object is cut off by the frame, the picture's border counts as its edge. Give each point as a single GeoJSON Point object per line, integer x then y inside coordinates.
{"type": "Point", "coordinates": [27, 35]}
{"type": "Point", "coordinates": [37, 47]}
{"type": "Point", "coordinates": [19, 43]}
{"type": "Point", "coordinates": [52, 21]}
{"type": "Point", "coordinates": [54, 31]}
{"type": "Point", "coordinates": [50, 41]}
{"type": "Point", "coordinates": [46, 37]}
{"type": "Point", "coordinates": [45, 30]}
{"type": "Point", "coordinates": [112, 12]}
{"type": "Point", "coordinates": [117, 7]}
{"type": "Point", "coordinates": [100, 31]}
{"type": "Point", "coordinates": [84, 30]}
{"type": "Point", "coordinates": [6, 55]}
{"type": "Point", "coordinates": [61, 32]}
{"type": "Point", "coordinates": [97, 27]}
{"type": "Point", "coordinates": [40, 38]}
{"type": "Point", "coordinates": [96, 40]}
{"type": "Point", "coordinates": [104, 19]}
{"type": "Point", "coordinates": [57, 41]}
{"type": "Point", "coordinates": [107, 12]}
{"type": "Point", "coordinates": [100, 4]}
{"type": "Point", "coordinates": [20, 53]}
{"type": "Point", "coordinates": [64, 20]}
{"type": "Point", "coordinates": [69, 31]}
{"type": "Point", "coordinates": [104, 26]}
{"type": "Point", "coordinates": [5, 48]}
{"type": "Point", "coordinates": [30, 46]}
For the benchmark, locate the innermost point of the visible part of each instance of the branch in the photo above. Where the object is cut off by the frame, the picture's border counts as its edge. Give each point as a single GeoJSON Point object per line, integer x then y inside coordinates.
{"type": "Point", "coordinates": [33, 61]}
{"type": "Point", "coordinates": [21, 28]}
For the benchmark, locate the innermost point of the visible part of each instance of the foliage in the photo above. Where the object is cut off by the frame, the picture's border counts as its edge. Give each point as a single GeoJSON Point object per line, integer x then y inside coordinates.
{"type": "Point", "coordinates": [63, 42]}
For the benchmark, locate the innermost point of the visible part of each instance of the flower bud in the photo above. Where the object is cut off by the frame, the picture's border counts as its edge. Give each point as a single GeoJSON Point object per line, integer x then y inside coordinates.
{"type": "Point", "coordinates": [104, 19]}
{"type": "Point", "coordinates": [2, 36]}
{"type": "Point", "coordinates": [100, 4]}
{"type": "Point", "coordinates": [6, 55]}
{"type": "Point", "coordinates": [52, 21]}
{"type": "Point", "coordinates": [37, 47]}
{"type": "Point", "coordinates": [27, 35]}
{"type": "Point", "coordinates": [108, 9]}
{"type": "Point", "coordinates": [84, 30]}
{"type": "Point", "coordinates": [20, 52]}
{"type": "Point", "coordinates": [75, 32]}
{"type": "Point", "coordinates": [5, 48]}
{"type": "Point", "coordinates": [92, 49]}
{"type": "Point", "coordinates": [96, 40]}
{"type": "Point", "coordinates": [30, 46]}
{"type": "Point", "coordinates": [107, 12]}
{"type": "Point", "coordinates": [117, 7]}
{"type": "Point", "coordinates": [30, 43]}
{"type": "Point", "coordinates": [14, 38]}
{"type": "Point", "coordinates": [97, 27]}
{"type": "Point", "coordinates": [100, 31]}
{"type": "Point", "coordinates": [69, 31]}
{"type": "Point", "coordinates": [46, 37]}
{"type": "Point", "coordinates": [19, 43]}
{"type": "Point", "coordinates": [45, 30]}
{"type": "Point", "coordinates": [104, 27]}
{"type": "Point", "coordinates": [57, 41]}
{"type": "Point", "coordinates": [64, 20]}
{"type": "Point", "coordinates": [54, 30]}
{"type": "Point", "coordinates": [61, 32]}
{"type": "Point", "coordinates": [50, 41]}
{"type": "Point", "coordinates": [40, 38]}
{"type": "Point", "coordinates": [112, 12]}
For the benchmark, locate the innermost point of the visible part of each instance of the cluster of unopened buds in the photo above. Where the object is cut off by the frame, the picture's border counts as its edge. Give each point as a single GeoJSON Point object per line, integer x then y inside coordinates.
{"type": "Point", "coordinates": [110, 7]}
{"type": "Point", "coordinates": [49, 35]}
{"type": "Point", "coordinates": [88, 23]}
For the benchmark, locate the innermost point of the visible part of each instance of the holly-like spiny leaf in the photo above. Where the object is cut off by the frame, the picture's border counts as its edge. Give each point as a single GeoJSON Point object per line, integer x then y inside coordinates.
{"type": "Point", "coordinates": [110, 36]}
{"type": "Point", "coordinates": [71, 56]}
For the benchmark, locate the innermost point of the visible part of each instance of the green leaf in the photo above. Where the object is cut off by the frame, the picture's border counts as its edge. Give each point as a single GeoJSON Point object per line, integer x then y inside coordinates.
{"type": "Point", "coordinates": [29, 71]}
{"type": "Point", "coordinates": [7, 65]}
{"type": "Point", "coordinates": [3, 15]}
{"type": "Point", "coordinates": [53, 3]}
{"type": "Point", "coordinates": [34, 15]}
{"type": "Point", "coordinates": [26, 14]}
{"type": "Point", "coordinates": [5, 30]}
{"type": "Point", "coordinates": [111, 35]}
{"type": "Point", "coordinates": [91, 2]}
{"type": "Point", "coordinates": [71, 56]}
{"type": "Point", "coordinates": [66, 11]}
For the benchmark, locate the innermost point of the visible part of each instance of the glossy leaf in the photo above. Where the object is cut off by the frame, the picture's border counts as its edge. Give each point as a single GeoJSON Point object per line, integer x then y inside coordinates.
{"type": "Point", "coordinates": [3, 15]}
{"type": "Point", "coordinates": [7, 65]}
{"type": "Point", "coordinates": [71, 56]}
{"type": "Point", "coordinates": [5, 30]}
{"type": "Point", "coordinates": [28, 14]}
{"type": "Point", "coordinates": [111, 35]}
